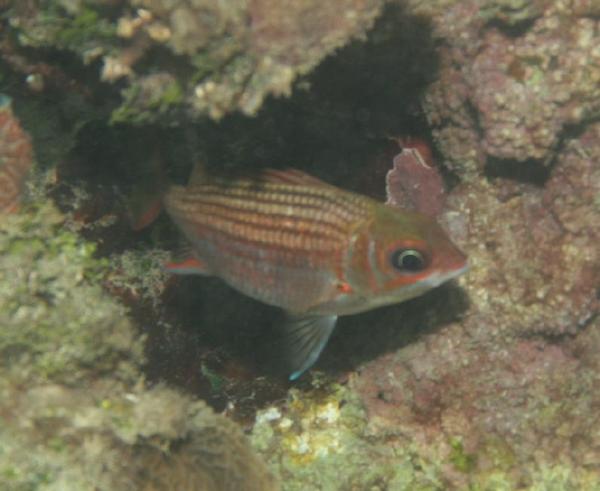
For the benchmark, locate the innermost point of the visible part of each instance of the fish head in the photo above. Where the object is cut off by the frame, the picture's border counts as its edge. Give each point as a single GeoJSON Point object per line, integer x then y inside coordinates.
{"type": "Point", "coordinates": [402, 254]}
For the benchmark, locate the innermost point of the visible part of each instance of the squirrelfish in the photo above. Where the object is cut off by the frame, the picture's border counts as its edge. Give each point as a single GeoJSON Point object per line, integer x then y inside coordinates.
{"type": "Point", "coordinates": [317, 251]}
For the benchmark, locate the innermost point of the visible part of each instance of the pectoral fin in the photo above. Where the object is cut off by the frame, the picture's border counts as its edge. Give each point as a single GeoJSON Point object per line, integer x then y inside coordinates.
{"type": "Point", "coordinates": [306, 336]}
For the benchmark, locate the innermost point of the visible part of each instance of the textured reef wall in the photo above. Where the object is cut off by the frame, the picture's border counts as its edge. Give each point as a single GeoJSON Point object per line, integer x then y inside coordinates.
{"type": "Point", "coordinates": [489, 383]}
{"type": "Point", "coordinates": [194, 57]}
{"type": "Point", "coordinates": [502, 396]}
{"type": "Point", "coordinates": [75, 411]}
{"type": "Point", "coordinates": [515, 78]}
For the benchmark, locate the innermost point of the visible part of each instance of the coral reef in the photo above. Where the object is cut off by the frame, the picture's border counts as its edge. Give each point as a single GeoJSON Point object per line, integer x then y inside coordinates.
{"type": "Point", "coordinates": [503, 395]}
{"type": "Point", "coordinates": [490, 383]}
{"type": "Point", "coordinates": [536, 267]}
{"type": "Point", "coordinates": [319, 439]}
{"type": "Point", "coordinates": [197, 57]}
{"type": "Point", "coordinates": [75, 411]}
{"type": "Point", "coordinates": [515, 77]}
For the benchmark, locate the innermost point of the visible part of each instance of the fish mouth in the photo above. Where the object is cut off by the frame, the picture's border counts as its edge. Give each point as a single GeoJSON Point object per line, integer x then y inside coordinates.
{"type": "Point", "coordinates": [436, 279]}
{"type": "Point", "coordinates": [418, 288]}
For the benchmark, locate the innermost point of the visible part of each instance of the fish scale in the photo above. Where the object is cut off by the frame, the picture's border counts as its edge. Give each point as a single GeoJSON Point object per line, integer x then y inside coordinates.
{"type": "Point", "coordinates": [317, 251]}
{"type": "Point", "coordinates": [285, 201]}
{"type": "Point", "coordinates": [251, 216]}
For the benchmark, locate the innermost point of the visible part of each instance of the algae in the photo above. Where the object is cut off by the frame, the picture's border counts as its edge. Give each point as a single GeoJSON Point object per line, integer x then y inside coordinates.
{"type": "Point", "coordinates": [49, 293]}
{"type": "Point", "coordinates": [75, 411]}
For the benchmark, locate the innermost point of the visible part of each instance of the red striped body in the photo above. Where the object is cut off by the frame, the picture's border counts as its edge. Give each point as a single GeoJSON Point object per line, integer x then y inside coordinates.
{"type": "Point", "coordinates": [308, 247]}
{"type": "Point", "coordinates": [283, 244]}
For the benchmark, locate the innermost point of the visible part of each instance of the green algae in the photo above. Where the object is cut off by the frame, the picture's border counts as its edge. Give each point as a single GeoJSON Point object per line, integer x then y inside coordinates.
{"type": "Point", "coordinates": [77, 31]}
{"type": "Point", "coordinates": [513, 12]}
{"type": "Point", "coordinates": [86, 27]}
{"type": "Point", "coordinates": [215, 381]}
{"type": "Point", "coordinates": [140, 273]}
{"type": "Point", "coordinates": [148, 102]}
{"type": "Point", "coordinates": [320, 439]}
{"type": "Point", "coordinates": [461, 460]}
{"type": "Point", "coordinates": [48, 294]}
{"type": "Point", "coordinates": [75, 412]}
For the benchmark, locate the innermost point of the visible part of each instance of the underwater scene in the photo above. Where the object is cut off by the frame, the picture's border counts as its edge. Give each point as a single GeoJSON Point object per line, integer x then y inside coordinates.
{"type": "Point", "coordinates": [296, 245]}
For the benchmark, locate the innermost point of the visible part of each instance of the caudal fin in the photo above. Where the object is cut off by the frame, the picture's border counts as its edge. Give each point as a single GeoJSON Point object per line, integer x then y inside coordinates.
{"type": "Point", "coordinates": [143, 210]}
{"type": "Point", "coordinates": [144, 203]}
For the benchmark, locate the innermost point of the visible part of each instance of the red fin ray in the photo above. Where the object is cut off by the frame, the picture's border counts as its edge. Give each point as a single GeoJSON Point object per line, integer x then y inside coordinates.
{"type": "Point", "coordinates": [190, 265]}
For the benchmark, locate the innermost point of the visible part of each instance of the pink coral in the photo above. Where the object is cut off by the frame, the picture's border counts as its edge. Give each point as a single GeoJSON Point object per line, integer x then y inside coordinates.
{"type": "Point", "coordinates": [514, 380]}
{"type": "Point", "coordinates": [512, 79]}
{"type": "Point", "coordinates": [414, 182]}
{"type": "Point", "coordinates": [16, 158]}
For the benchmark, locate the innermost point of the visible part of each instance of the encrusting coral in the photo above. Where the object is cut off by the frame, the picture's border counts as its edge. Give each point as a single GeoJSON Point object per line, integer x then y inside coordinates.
{"type": "Point", "coordinates": [515, 76]}
{"type": "Point", "coordinates": [16, 157]}
{"type": "Point", "coordinates": [74, 408]}
{"type": "Point", "coordinates": [222, 56]}
{"type": "Point", "coordinates": [502, 393]}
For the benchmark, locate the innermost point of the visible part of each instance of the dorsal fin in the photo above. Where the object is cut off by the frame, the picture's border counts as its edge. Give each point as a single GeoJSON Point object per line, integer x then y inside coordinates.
{"type": "Point", "coordinates": [292, 176]}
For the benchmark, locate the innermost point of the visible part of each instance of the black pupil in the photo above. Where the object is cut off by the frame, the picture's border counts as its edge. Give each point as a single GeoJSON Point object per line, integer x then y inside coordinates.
{"type": "Point", "coordinates": [408, 260]}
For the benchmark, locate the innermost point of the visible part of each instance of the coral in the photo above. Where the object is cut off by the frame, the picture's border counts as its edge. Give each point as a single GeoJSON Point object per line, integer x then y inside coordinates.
{"type": "Point", "coordinates": [139, 274]}
{"type": "Point", "coordinates": [502, 397]}
{"type": "Point", "coordinates": [319, 439]}
{"type": "Point", "coordinates": [74, 408]}
{"type": "Point", "coordinates": [214, 455]}
{"type": "Point", "coordinates": [535, 248]}
{"type": "Point", "coordinates": [257, 48]}
{"type": "Point", "coordinates": [415, 183]}
{"type": "Point", "coordinates": [515, 77]}
{"type": "Point", "coordinates": [223, 57]}
{"type": "Point", "coordinates": [487, 384]}
{"type": "Point", "coordinates": [45, 300]}
{"type": "Point", "coordinates": [136, 439]}
{"type": "Point", "coordinates": [498, 411]}
{"type": "Point", "coordinates": [513, 380]}
{"type": "Point", "coordinates": [16, 156]}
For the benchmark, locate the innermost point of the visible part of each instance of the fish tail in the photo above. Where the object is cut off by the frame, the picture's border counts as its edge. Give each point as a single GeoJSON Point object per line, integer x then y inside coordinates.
{"type": "Point", "coordinates": [147, 200]}
{"type": "Point", "coordinates": [144, 204]}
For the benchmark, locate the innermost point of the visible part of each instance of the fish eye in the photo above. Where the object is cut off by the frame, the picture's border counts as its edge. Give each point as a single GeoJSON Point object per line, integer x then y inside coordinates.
{"type": "Point", "coordinates": [408, 260]}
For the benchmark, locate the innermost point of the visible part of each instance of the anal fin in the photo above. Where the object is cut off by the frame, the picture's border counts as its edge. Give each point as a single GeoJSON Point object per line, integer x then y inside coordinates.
{"type": "Point", "coordinates": [306, 336]}
{"type": "Point", "coordinates": [190, 265]}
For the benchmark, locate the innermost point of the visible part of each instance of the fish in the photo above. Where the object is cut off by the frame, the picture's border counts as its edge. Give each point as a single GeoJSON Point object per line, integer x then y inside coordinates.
{"type": "Point", "coordinates": [318, 252]}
